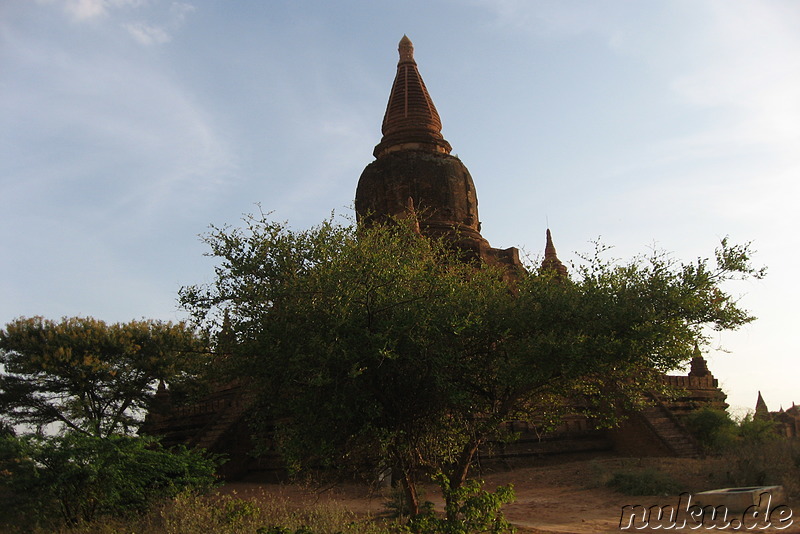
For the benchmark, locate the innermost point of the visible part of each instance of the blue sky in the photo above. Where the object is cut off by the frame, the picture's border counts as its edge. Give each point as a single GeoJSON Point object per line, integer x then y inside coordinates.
{"type": "Point", "coordinates": [128, 126]}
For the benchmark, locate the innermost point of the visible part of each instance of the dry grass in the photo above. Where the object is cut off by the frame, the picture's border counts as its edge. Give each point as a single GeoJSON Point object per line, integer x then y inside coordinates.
{"type": "Point", "coordinates": [190, 513]}
{"type": "Point", "coordinates": [542, 492]}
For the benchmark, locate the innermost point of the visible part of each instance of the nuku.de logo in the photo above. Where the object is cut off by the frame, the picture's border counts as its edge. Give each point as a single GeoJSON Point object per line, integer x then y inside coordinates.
{"type": "Point", "coordinates": [694, 516]}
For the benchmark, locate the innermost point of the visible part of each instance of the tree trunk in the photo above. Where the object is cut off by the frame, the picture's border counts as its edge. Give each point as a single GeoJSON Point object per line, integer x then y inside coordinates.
{"type": "Point", "coordinates": [458, 475]}
{"type": "Point", "coordinates": [410, 489]}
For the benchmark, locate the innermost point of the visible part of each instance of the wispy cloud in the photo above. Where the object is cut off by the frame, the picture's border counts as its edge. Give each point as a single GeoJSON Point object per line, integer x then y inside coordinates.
{"type": "Point", "coordinates": [82, 10]}
{"type": "Point", "coordinates": [170, 22]}
{"type": "Point", "coordinates": [753, 72]}
{"type": "Point", "coordinates": [180, 10]}
{"type": "Point", "coordinates": [147, 34]}
{"type": "Point", "coordinates": [148, 22]}
{"type": "Point", "coordinates": [110, 131]}
{"type": "Point", "coordinates": [732, 64]}
{"type": "Point", "coordinates": [85, 9]}
{"type": "Point", "coordinates": [548, 18]}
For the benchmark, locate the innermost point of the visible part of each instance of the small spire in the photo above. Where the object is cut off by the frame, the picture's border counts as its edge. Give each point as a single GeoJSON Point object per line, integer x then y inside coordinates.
{"type": "Point", "coordinates": [551, 261]}
{"type": "Point", "coordinates": [699, 365]}
{"type": "Point", "coordinates": [549, 247]}
{"type": "Point", "coordinates": [761, 407]}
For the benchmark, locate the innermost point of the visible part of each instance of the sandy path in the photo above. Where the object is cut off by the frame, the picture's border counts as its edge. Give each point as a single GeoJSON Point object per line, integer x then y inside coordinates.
{"type": "Point", "coordinates": [560, 498]}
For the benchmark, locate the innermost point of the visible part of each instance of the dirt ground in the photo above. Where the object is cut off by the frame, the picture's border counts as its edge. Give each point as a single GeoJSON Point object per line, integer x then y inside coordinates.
{"type": "Point", "coordinates": [564, 497]}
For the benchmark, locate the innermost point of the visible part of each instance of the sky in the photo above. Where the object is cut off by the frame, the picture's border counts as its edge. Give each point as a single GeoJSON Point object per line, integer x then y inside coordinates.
{"type": "Point", "coordinates": [127, 127]}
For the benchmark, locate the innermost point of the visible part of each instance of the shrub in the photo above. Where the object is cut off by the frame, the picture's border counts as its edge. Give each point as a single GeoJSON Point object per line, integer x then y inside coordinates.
{"type": "Point", "coordinates": [774, 461]}
{"type": "Point", "coordinates": [749, 452]}
{"type": "Point", "coordinates": [713, 429]}
{"type": "Point", "coordinates": [76, 477]}
{"type": "Point", "coordinates": [643, 482]}
{"type": "Point", "coordinates": [469, 509]}
{"type": "Point", "coordinates": [753, 430]}
{"type": "Point", "coordinates": [718, 433]}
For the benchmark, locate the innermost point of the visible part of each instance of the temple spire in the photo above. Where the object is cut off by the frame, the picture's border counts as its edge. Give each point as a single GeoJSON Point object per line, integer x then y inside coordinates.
{"type": "Point", "coordinates": [414, 174]}
{"type": "Point", "coordinates": [762, 411]}
{"type": "Point", "coordinates": [699, 367]}
{"type": "Point", "coordinates": [551, 261]}
{"type": "Point", "coordinates": [411, 120]}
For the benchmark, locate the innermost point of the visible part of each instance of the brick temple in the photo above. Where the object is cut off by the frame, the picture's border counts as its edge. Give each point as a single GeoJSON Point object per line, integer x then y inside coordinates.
{"type": "Point", "coordinates": [415, 173]}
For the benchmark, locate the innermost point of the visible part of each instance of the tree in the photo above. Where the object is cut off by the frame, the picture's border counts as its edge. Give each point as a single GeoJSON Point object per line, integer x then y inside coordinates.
{"type": "Point", "coordinates": [376, 346]}
{"type": "Point", "coordinates": [90, 377]}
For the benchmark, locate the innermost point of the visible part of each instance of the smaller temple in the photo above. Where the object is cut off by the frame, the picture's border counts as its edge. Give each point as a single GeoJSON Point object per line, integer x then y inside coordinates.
{"type": "Point", "coordinates": [700, 389]}
{"type": "Point", "coordinates": [699, 367]}
{"type": "Point", "coordinates": [787, 422]}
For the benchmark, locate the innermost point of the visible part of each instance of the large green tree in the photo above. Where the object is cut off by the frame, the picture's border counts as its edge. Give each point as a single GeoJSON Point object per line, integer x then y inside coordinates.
{"type": "Point", "coordinates": [91, 377]}
{"type": "Point", "coordinates": [377, 346]}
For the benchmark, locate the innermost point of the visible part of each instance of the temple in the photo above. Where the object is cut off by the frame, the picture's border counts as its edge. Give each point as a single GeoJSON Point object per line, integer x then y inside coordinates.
{"type": "Point", "coordinates": [784, 422]}
{"type": "Point", "coordinates": [414, 173]}
{"type": "Point", "coordinates": [413, 169]}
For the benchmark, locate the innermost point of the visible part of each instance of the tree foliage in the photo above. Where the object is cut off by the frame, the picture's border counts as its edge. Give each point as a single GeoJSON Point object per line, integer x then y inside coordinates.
{"type": "Point", "coordinates": [76, 477]}
{"type": "Point", "coordinates": [719, 433]}
{"type": "Point", "coordinates": [88, 376]}
{"type": "Point", "coordinates": [377, 346]}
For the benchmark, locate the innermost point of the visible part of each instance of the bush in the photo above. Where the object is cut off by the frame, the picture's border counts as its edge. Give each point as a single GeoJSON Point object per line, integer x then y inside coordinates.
{"type": "Point", "coordinates": [752, 430]}
{"type": "Point", "coordinates": [713, 429]}
{"type": "Point", "coordinates": [397, 505]}
{"type": "Point", "coordinates": [643, 482]}
{"type": "Point", "coordinates": [75, 478]}
{"type": "Point", "coordinates": [749, 452]}
{"type": "Point", "coordinates": [774, 461]}
{"type": "Point", "coordinates": [718, 433]}
{"type": "Point", "coordinates": [469, 509]}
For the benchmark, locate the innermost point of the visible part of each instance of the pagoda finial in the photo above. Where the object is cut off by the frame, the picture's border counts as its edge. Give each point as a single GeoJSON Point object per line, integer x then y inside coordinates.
{"type": "Point", "coordinates": [406, 49]}
{"type": "Point", "coordinates": [551, 261]}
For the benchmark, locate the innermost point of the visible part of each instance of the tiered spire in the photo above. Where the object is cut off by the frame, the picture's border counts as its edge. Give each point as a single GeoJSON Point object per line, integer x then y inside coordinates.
{"type": "Point", "coordinates": [551, 261]}
{"type": "Point", "coordinates": [699, 366]}
{"type": "Point", "coordinates": [411, 120]}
